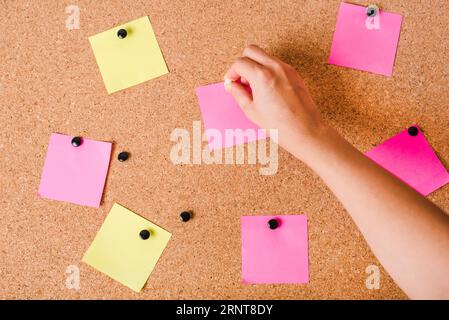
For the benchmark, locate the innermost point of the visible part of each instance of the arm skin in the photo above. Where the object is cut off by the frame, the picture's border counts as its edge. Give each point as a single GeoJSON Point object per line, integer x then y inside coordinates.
{"type": "Point", "coordinates": [407, 233]}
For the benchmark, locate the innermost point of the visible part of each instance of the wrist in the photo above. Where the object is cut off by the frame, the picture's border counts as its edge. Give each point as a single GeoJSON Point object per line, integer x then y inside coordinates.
{"type": "Point", "coordinates": [317, 145]}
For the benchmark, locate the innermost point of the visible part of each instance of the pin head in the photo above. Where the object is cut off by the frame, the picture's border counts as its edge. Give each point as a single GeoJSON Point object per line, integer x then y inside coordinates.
{"type": "Point", "coordinates": [185, 216]}
{"type": "Point", "coordinates": [144, 234]}
{"type": "Point", "coordinates": [77, 141]}
{"type": "Point", "coordinates": [413, 131]}
{"type": "Point", "coordinates": [372, 10]}
{"type": "Point", "coordinates": [122, 33]}
{"type": "Point", "coordinates": [273, 224]}
{"type": "Point", "coordinates": [123, 156]}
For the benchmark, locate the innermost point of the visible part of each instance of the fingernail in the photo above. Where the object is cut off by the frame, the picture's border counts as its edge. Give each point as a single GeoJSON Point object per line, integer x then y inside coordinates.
{"type": "Point", "coordinates": [227, 82]}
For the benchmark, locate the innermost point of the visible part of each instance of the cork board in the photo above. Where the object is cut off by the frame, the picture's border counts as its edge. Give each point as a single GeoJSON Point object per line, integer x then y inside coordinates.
{"type": "Point", "coordinates": [50, 83]}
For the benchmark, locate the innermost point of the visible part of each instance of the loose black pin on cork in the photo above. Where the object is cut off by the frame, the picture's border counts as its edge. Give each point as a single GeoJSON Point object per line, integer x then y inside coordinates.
{"type": "Point", "coordinates": [372, 10]}
{"type": "Point", "coordinates": [413, 131]}
{"type": "Point", "coordinates": [144, 234]}
{"type": "Point", "coordinates": [77, 141]}
{"type": "Point", "coordinates": [185, 216]}
{"type": "Point", "coordinates": [123, 156]}
{"type": "Point", "coordinates": [122, 33]}
{"type": "Point", "coordinates": [273, 224]}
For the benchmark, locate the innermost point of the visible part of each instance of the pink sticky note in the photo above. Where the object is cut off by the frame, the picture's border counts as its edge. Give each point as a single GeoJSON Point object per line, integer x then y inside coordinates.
{"type": "Point", "coordinates": [221, 113]}
{"type": "Point", "coordinates": [75, 174]}
{"type": "Point", "coordinates": [363, 43]}
{"type": "Point", "coordinates": [275, 256]}
{"type": "Point", "coordinates": [411, 159]}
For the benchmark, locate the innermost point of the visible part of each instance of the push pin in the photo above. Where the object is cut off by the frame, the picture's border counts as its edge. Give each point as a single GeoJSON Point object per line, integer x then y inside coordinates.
{"type": "Point", "coordinates": [413, 131]}
{"type": "Point", "coordinates": [123, 156]}
{"type": "Point", "coordinates": [372, 10]}
{"type": "Point", "coordinates": [273, 224]}
{"type": "Point", "coordinates": [77, 141]}
{"type": "Point", "coordinates": [144, 234]}
{"type": "Point", "coordinates": [122, 33]}
{"type": "Point", "coordinates": [185, 216]}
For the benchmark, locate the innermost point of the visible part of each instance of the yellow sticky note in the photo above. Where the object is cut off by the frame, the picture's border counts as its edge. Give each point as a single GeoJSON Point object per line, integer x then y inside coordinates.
{"type": "Point", "coordinates": [129, 61]}
{"type": "Point", "coordinates": [120, 252]}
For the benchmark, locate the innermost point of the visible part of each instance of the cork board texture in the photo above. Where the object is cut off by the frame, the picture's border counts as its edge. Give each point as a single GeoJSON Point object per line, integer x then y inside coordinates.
{"type": "Point", "coordinates": [50, 82]}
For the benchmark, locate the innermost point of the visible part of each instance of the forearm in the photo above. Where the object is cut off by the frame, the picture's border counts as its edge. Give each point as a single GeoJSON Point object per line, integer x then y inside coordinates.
{"type": "Point", "coordinates": [408, 234]}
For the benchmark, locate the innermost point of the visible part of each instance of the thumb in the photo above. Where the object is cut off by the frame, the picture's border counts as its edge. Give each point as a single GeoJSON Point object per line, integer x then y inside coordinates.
{"type": "Point", "coordinates": [240, 93]}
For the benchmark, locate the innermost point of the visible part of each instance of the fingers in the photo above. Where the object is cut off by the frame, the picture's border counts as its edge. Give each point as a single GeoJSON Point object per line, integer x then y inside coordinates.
{"type": "Point", "coordinates": [259, 55]}
{"type": "Point", "coordinates": [241, 95]}
{"type": "Point", "coordinates": [244, 68]}
{"type": "Point", "coordinates": [255, 65]}
{"type": "Point", "coordinates": [244, 81]}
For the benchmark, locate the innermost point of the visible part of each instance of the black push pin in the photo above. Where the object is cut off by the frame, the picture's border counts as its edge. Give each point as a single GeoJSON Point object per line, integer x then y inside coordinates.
{"type": "Point", "coordinates": [413, 131]}
{"type": "Point", "coordinates": [77, 141]}
{"type": "Point", "coordinates": [144, 234]}
{"type": "Point", "coordinates": [372, 10]}
{"type": "Point", "coordinates": [122, 33]}
{"type": "Point", "coordinates": [123, 156]}
{"type": "Point", "coordinates": [273, 224]}
{"type": "Point", "coordinates": [185, 216]}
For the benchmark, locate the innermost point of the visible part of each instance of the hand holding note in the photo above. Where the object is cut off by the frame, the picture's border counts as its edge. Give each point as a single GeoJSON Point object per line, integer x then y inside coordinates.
{"type": "Point", "coordinates": [220, 112]}
{"type": "Point", "coordinates": [275, 97]}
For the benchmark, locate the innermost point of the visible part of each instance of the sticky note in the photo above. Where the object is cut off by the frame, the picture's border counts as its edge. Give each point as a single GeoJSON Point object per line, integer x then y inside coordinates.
{"type": "Point", "coordinates": [119, 252]}
{"type": "Point", "coordinates": [221, 114]}
{"type": "Point", "coordinates": [129, 61]}
{"type": "Point", "coordinates": [363, 43]}
{"type": "Point", "coordinates": [275, 256]}
{"type": "Point", "coordinates": [75, 174]}
{"type": "Point", "coordinates": [411, 159]}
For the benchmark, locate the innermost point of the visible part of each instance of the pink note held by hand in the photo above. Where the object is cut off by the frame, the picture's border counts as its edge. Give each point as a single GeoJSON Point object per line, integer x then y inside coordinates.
{"type": "Point", "coordinates": [409, 157]}
{"type": "Point", "coordinates": [364, 43]}
{"type": "Point", "coordinates": [225, 123]}
{"type": "Point", "coordinates": [75, 174]}
{"type": "Point", "coordinates": [275, 255]}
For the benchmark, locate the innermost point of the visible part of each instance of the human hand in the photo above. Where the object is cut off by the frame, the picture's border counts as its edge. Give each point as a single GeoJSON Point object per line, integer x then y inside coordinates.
{"type": "Point", "coordinates": [278, 99]}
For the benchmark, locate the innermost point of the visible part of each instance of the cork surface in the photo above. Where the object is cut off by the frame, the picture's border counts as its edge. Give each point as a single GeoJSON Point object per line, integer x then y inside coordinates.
{"type": "Point", "coordinates": [50, 82]}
